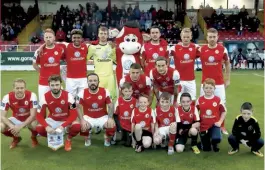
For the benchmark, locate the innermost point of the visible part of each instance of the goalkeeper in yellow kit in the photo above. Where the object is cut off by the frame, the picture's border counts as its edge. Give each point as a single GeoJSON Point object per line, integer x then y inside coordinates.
{"type": "Point", "coordinates": [104, 55]}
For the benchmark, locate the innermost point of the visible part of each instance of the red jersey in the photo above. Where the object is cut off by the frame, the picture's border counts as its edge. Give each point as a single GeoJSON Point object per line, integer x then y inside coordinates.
{"type": "Point", "coordinates": [166, 118]}
{"type": "Point", "coordinates": [212, 61]}
{"type": "Point", "coordinates": [210, 111]}
{"type": "Point", "coordinates": [141, 86]}
{"type": "Point", "coordinates": [20, 107]}
{"type": "Point", "coordinates": [143, 118]}
{"type": "Point", "coordinates": [184, 58]}
{"type": "Point", "coordinates": [123, 108]}
{"type": "Point", "coordinates": [49, 61]}
{"type": "Point", "coordinates": [189, 117]}
{"type": "Point", "coordinates": [165, 83]}
{"type": "Point", "coordinates": [75, 58]}
{"type": "Point", "coordinates": [60, 109]}
{"type": "Point", "coordinates": [94, 104]}
{"type": "Point", "coordinates": [150, 52]}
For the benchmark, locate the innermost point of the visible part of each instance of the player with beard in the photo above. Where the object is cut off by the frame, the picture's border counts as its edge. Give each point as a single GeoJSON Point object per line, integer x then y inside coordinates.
{"type": "Point", "coordinates": [62, 112]}
{"type": "Point", "coordinates": [23, 104]}
{"type": "Point", "coordinates": [94, 100]}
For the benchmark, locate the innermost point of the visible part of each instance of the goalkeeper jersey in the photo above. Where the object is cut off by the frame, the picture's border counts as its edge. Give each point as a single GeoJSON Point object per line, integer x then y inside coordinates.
{"type": "Point", "coordinates": [103, 56]}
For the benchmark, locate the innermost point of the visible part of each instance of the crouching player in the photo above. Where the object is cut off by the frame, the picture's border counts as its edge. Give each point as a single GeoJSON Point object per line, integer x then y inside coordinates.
{"type": "Point", "coordinates": [23, 104]}
{"type": "Point", "coordinates": [212, 114]}
{"type": "Point", "coordinates": [123, 111]}
{"type": "Point", "coordinates": [166, 122]}
{"type": "Point", "coordinates": [190, 124]}
{"type": "Point", "coordinates": [246, 131]}
{"type": "Point", "coordinates": [62, 112]}
{"type": "Point", "coordinates": [143, 121]}
{"type": "Point", "coordinates": [94, 100]}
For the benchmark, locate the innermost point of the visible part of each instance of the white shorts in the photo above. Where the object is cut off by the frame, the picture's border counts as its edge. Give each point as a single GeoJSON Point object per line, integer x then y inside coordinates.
{"type": "Point", "coordinates": [15, 121]}
{"type": "Point", "coordinates": [55, 124]}
{"type": "Point", "coordinates": [96, 122]}
{"type": "Point", "coordinates": [172, 97]}
{"type": "Point", "coordinates": [219, 91]}
{"type": "Point", "coordinates": [189, 87]}
{"type": "Point", "coordinates": [42, 90]}
{"type": "Point", "coordinates": [164, 131]}
{"type": "Point", "coordinates": [75, 85]}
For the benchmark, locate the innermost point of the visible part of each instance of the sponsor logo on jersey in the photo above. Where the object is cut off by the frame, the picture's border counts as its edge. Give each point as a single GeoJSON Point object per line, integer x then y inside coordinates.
{"type": "Point", "coordinates": [166, 121]}
{"type": "Point", "coordinates": [142, 123]}
{"type": "Point", "coordinates": [186, 56]}
{"type": "Point", "coordinates": [214, 104]}
{"type": "Point", "coordinates": [77, 54]}
{"type": "Point", "coordinates": [99, 97]}
{"type": "Point", "coordinates": [211, 59]}
{"type": "Point", "coordinates": [62, 102]}
{"type": "Point", "coordinates": [155, 55]}
{"type": "Point", "coordinates": [21, 110]}
{"type": "Point", "coordinates": [126, 113]}
{"type": "Point", "coordinates": [26, 102]}
{"type": "Point", "coordinates": [127, 64]}
{"type": "Point", "coordinates": [208, 112]}
{"type": "Point", "coordinates": [51, 60]}
{"type": "Point", "coordinates": [146, 115]}
{"type": "Point", "coordinates": [58, 110]}
{"type": "Point", "coordinates": [94, 105]}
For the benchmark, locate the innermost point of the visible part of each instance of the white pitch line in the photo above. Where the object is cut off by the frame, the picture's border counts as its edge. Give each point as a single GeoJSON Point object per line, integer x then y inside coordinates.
{"type": "Point", "coordinates": [255, 74]}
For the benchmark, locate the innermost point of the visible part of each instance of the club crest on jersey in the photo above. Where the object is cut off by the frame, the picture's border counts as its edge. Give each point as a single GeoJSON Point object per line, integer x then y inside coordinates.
{"type": "Point", "coordinates": [216, 51]}
{"type": "Point", "coordinates": [146, 115]}
{"type": "Point", "coordinates": [167, 78]}
{"type": "Point", "coordinates": [211, 59]}
{"type": "Point", "coordinates": [127, 64]}
{"type": "Point", "coordinates": [190, 49]}
{"type": "Point", "coordinates": [95, 105]}
{"type": "Point", "coordinates": [214, 104]}
{"type": "Point", "coordinates": [161, 49]}
{"type": "Point", "coordinates": [131, 106]}
{"type": "Point", "coordinates": [99, 97]}
{"type": "Point", "coordinates": [208, 112]}
{"type": "Point", "coordinates": [142, 123]}
{"type": "Point", "coordinates": [51, 60]}
{"type": "Point", "coordinates": [26, 102]}
{"type": "Point", "coordinates": [140, 86]}
{"type": "Point", "coordinates": [126, 113]}
{"type": "Point", "coordinates": [77, 54]}
{"type": "Point", "coordinates": [55, 52]}
{"type": "Point", "coordinates": [62, 102]}
{"type": "Point", "coordinates": [170, 114]}
{"type": "Point", "coordinates": [58, 110]}
{"type": "Point", "coordinates": [22, 110]}
{"type": "Point", "coordinates": [155, 55]}
{"type": "Point", "coordinates": [166, 121]}
{"type": "Point", "coordinates": [250, 128]}
{"type": "Point", "coordinates": [191, 115]}
{"type": "Point", "coordinates": [186, 56]}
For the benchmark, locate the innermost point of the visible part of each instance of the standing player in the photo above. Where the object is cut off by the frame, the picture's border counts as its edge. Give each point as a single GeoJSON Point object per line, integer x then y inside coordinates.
{"type": "Point", "coordinates": [23, 104]}
{"type": "Point", "coordinates": [141, 84]}
{"type": "Point", "coordinates": [94, 100]}
{"type": "Point", "coordinates": [47, 62]}
{"type": "Point", "coordinates": [184, 57]}
{"type": "Point", "coordinates": [190, 124]}
{"type": "Point", "coordinates": [123, 111]}
{"type": "Point", "coordinates": [62, 112]}
{"type": "Point", "coordinates": [143, 122]}
{"type": "Point", "coordinates": [166, 122]}
{"type": "Point", "coordinates": [104, 55]}
{"type": "Point", "coordinates": [165, 79]}
{"type": "Point", "coordinates": [153, 49]}
{"type": "Point", "coordinates": [212, 56]}
{"type": "Point", "coordinates": [212, 114]}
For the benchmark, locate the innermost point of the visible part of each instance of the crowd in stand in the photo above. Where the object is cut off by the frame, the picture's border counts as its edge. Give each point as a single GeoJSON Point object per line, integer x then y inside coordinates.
{"type": "Point", "coordinates": [14, 19]}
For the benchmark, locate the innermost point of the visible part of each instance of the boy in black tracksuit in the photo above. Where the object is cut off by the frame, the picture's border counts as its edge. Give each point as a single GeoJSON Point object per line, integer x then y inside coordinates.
{"type": "Point", "coordinates": [246, 131]}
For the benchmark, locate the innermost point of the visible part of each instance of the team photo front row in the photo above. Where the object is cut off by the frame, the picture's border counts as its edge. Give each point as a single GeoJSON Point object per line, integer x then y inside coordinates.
{"type": "Point", "coordinates": [174, 120]}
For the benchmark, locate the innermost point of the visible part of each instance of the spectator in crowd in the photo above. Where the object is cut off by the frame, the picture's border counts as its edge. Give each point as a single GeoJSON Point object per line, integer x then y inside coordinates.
{"type": "Point", "coordinates": [253, 56]}
{"type": "Point", "coordinates": [60, 35]}
{"type": "Point", "coordinates": [240, 58]}
{"type": "Point", "coordinates": [35, 39]}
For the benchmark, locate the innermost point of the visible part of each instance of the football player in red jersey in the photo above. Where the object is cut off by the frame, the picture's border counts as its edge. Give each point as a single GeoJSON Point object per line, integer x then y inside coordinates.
{"type": "Point", "coordinates": [122, 113]}
{"type": "Point", "coordinates": [212, 57]}
{"type": "Point", "coordinates": [190, 124]}
{"type": "Point", "coordinates": [152, 50]}
{"type": "Point", "coordinates": [165, 79]}
{"type": "Point", "coordinates": [166, 122]}
{"type": "Point", "coordinates": [23, 104]}
{"type": "Point", "coordinates": [185, 55]}
{"type": "Point", "coordinates": [212, 114]}
{"type": "Point", "coordinates": [143, 122]}
{"type": "Point", "coordinates": [62, 112]}
{"type": "Point", "coordinates": [94, 100]}
{"type": "Point", "coordinates": [46, 61]}
{"type": "Point", "coordinates": [141, 84]}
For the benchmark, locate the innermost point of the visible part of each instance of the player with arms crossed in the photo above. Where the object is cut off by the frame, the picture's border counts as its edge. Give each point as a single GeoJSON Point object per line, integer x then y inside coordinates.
{"type": "Point", "coordinates": [143, 122]}
{"type": "Point", "coordinates": [166, 122]}
{"type": "Point", "coordinates": [152, 50]}
{"type": "Point", "coordinates": [165, 79]}
{"type": "Point", "coordinates": [141, 84]}
{"type": "Point", "coordinates": [23, 104]}
{"type": "Point", "coordinates": [123, 111]}
{"type": "Point", "coordinates": [94, 100]}
{"type": "Point", "coordinates": [189, 125]}
{"type": "Point", "coordinates": [46, 61]}
{"type": "Point", "coordinates": [212, 56]}
{"type": "Point", "coordinates": [62, 112]}
{"type": "Point", "coordinates": [212, 114]}
{"type": "Point", "coordinates": [104, 55]}
{"type": "Point", "coordinates": [184, 55]}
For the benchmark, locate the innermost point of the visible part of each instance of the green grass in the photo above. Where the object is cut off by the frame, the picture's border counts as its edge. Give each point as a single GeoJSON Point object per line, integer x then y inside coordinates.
{"type": "Point", "coordinates": [245, 86]}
